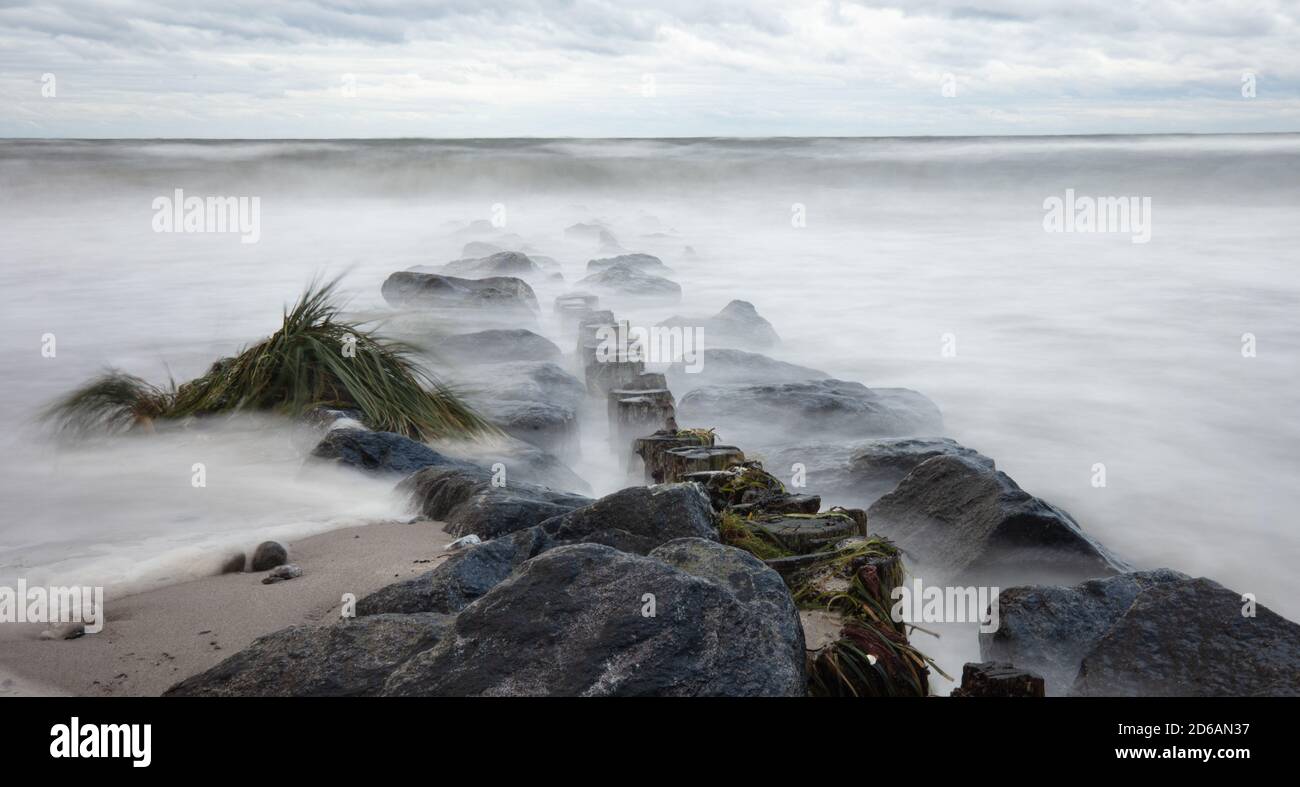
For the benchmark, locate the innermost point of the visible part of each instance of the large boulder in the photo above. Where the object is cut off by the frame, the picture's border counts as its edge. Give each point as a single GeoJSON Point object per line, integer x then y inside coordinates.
{"type": "Point", "coordinates": [645, 263]}
{"type": "Point", "coordinates": [1193, 638]}
{"type": "Point", "coordinates": [495, 346]}
{"type": "Point", "coordinates": [462, 578]}
{"type": "Point", "coordinates": [500, 263]}
{"type": "Point", "coordinates": [725, 366]}
{"type": "Point", "coordinates": [536, 402]}
{"type": "Point", "coordinates": [629, 282]}
{"type": "Point", "coordinates": [956, 515]}
{"type": "Point", "coordinates": [738, 324]}
{"type": "Point", "coordinates": [522, 461]}
{"type": "Point", "coordinates": [1048, 629]}
{"type": "Point", "coordinates": [549, 426]}
{"type": "Point", "coordinates": [408, 289]}
{"type": "Point", "coordinates": [350, 658]}
{"type": "Point", "coordinates": [469, 503]}
{"type": "Point", "coordinates": [781, 412]}
{"type": "Point", "coordinates": [638, 519]}
{"type": "Point", "coordinates": [380, 453]}
{"type": "Point", "coordinates": [589, 620]}
{"type": "Point", "coordinates": [860, 473]}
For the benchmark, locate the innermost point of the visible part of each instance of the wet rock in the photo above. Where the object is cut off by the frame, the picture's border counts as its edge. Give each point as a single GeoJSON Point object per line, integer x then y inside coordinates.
{"type": "Point", "coordinates": [468, 502]}
{"type": "Point", "coordinates": [268, 555]}
{"type": "Point", "coordinates": [407, 289]}
{"type": "Point", "coordinates": [522, 461]}
{"type": "Point", "coordinates": [638, 519]}
{"type": "Point", "coordinates": [380, 453]}
{"type": "Point", "coordinates": [996, 679]}
{"type": "Point", "coordinates": [464, 542]}
{"type": "Point", "coordinates": [737, 325]}
{"type": "Point", "coordinates": [1048, 628]}
{"type": "Point", "coordinates": [859, 473]}
{"type": "Point", "coordinates": [956, 515]}
{"type": "Point", "coordinates": [500, 263]}
{"type": "Point", "coordinates": [536, 402]}
{"type": "Point", "coordinates": [282, 573]}
{"type": "Point", "coordinates": [550, 427]}
{"type": "Point", "coordinates": [347, 659]}
{"type": "Point", "coordinates": [233, 563]}
{"type": "Point", "coordinates": [724, 366]}
{"type": "Point", "coordinates": [589, 620]}
{"type": "Point", "coordinates": [461, 579]}
{"type": "Point", "coordinates": [645, 263]}
{"type": "Point", "coordinates": [1190, 638]}
{"type": "Point", "coordinates": [831, 408]}
{"type": "Point", "coordinates": [629, 282]}
{"type": "Point", "coordinates": [495, 346]}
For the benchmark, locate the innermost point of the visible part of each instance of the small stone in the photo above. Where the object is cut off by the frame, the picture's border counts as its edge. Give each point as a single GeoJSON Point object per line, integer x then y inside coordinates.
{"type": "Point", "coordinates": [268, 555]}
{"type": "Point", "coordinates": [233, 564]}
{"type": "Point", "coordinates": [282, 573]}
{"type": "Point", "coordinates": [64, 631]}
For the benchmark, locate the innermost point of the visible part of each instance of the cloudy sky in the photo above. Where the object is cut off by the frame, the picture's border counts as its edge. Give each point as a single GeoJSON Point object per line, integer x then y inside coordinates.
{"type": "Point", "coordinates": [501, 68]}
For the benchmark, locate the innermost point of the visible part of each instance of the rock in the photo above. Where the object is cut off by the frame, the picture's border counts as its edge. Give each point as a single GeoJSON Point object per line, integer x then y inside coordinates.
{"type": "Point", "coordinates": [464, 542]}
{"type": "Point", "coordinates": [536, 402]}
{"type": "Point", "coordinates": [737, 325]}
{"type": "Point", "coordinates": [638, 519]}
{"type": "Point", "coordinates": [995, 679]}
{"type": "Point", "coordinates": [1190, 638]}
{"type": "Point", "coordinates": [645, 263]}
{"type": "Point", "coordinates": [347, 659]}
{"type": "Point", "coordinates": [407, 289]}
{"type": "Point", "coordinates": [629, 282]}
{"type": "Point", "coordinates": [1048, 629]}
{"type": "Point", "coordinates": [495, 346]}
{"type": "Point", "coordinates": [860, 473]}
{"type": "Point", "coordinates": [781, 412]}
{"type": "Point", "coordinates": [381, 453]}
{"type": "Point", "coordinates": [956, 515]}
{"type": "Point", "coordinates": [724, 366]}
{"type": "Point", "coordinates": [233, 563]}
{"type": "Point", "coordinates": [282, 573]}
{"type": "Point", "coordinates": [468, 503]}
{"type": "Point", "coordinates": [71, 630]}
{"type": "Point", "coordinates": [575, 621]}
{"type": "Point", "coordinates": [805, 534]}
{"type": "Point", "coordinates": [268, 555]}
{"type": "Point", "coordinates": [550, 427]}
{"type": "Point", "coordinates": [593, 231]}
{"type": "Point", "coordinates": [501, 263]}
{"type": "Point", "coordinates": [522, 461]}
{"type": "Point", "coordinates": [476, 249]}
{"type": "Point", "coordinates": [461, 579]}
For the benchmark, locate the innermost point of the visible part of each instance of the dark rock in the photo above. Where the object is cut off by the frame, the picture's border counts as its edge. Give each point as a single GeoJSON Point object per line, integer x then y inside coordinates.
{"type": "Point", "coordinates": [645, 263]}
{"type": "Point", "coordinates": [860, 473]}
{"type": "Point", "coordinates": [638, 519]}
{"type": "Point", "coordinates": [630, 282]}
{"type": "Point", "coordinates": [347, 659]}
{"type": "Point", "coordinates": [523, 462]}
{"type": "Point", "coordinates": [468, 503]}
{"type": "Point", "coordinates": [233, 563]}
{"type": "Point", "coordinates": [495, 346]}
{"type": "Point", "coordinates": [1048, 629]}
{"type": "Point", "coordinates": [536, 402]}
{"type": "Point", "coordinates": [406, 289]}
{"type": "Point", "coordinates": [724, 366]}
{"type": "Point", "coordinates": [1190, 638]}
{"type": "Point", "coordinates": [958, 516]}
{"type": "Point", "coordinates": [384, 453]}
{"type": "Point", "coordinates": [268, 555]}
{"type": "Point", "coordinates": [737, 325]}
{"type": "Point", "coordinates": [548, 426]}
{"type": "Point", "coordinates": [461, 579]}
{"type": "Point", "coordinates": [814, 407]}
{"type": "Point", "coordinates": [501, 263]}
{"type": "Point", "coordinates": [573, 622]}
{"type": "Point", "coordinates": [994, 679]}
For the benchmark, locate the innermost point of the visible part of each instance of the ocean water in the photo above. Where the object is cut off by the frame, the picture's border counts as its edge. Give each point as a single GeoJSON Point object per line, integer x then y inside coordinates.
{"type": "Point", "coordinates": [1071, 349]}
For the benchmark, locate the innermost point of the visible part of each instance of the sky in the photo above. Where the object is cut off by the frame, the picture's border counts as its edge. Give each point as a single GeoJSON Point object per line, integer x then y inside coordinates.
{"type": "Point", "coordinates": [675, 68]}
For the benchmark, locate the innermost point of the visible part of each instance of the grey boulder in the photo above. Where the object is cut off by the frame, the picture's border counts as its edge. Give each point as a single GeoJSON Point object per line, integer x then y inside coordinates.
{"type": "Point", "coordinates": [347, 659]}
{"type": "Point", "coordinates": [407, 289]}
{"type": "Point", "coordinates": [956, 515]}
{"type": "Point", "coordinates": [468, 501]}
{"type": "Point", "coordinates": [738, 324]}
{"type": "Point", "coordinates": [630, 282]}
{"type": "Point", "coordinates": [725, 366]}
{"type": "Point", "coordinates": [589, 620]}
{"type": "Point", "coordinates": [380, 453]}
{"type": "Point", "coordinates": [497, 345]}
{"type": "Point", "coordinates": [639, 519]}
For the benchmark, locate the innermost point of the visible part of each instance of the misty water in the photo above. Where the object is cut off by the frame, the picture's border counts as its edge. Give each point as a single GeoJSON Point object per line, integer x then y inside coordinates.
{"type": "Point", "coordinates": [1071, 349]}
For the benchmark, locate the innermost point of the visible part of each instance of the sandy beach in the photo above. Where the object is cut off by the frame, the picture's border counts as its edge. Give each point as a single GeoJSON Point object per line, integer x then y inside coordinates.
{"type": "Point", "coordinates": [153, 639]}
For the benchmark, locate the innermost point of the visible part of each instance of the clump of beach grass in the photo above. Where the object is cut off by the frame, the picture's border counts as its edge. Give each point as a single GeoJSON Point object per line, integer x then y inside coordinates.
{"type": "Point", "coordinates": [316, 359]}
